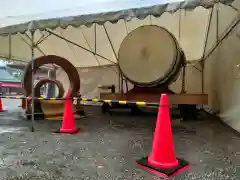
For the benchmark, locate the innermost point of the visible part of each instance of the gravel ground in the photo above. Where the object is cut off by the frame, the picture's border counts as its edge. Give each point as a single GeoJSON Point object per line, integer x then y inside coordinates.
{"type": "Point", "coordinates": [108, 146]}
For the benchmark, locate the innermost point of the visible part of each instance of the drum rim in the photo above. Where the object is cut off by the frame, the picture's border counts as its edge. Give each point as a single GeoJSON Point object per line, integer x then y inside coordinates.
{"type": "Point", "coordinates": [168, 73]}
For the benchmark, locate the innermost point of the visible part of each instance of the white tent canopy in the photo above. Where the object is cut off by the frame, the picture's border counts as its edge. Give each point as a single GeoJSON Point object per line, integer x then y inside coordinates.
{"type": "Point", "coordinates": [89, 37]}
{"type": "Point", "coordinates": [89, 34]}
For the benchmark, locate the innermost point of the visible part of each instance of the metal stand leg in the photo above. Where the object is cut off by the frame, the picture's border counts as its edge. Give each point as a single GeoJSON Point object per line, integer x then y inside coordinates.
{"type": "Point", "coordinates": [188, 112]}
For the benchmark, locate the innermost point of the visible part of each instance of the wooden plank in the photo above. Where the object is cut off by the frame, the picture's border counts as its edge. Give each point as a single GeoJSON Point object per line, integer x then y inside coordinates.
{"type": "Point", "coordinates": [173, 98]}
{"type": "Point", "coordinates": [188, 99]}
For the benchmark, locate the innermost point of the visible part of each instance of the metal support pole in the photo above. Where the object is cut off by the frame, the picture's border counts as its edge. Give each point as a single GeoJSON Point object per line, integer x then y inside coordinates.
{"type": "Point", "coordinates": [205, 46]}
{"type": "Point", "coordinates": [115, 54]}
{"type": "Point", "coordinates": [33, 94]}
{"type": "Point", "coordinates": [75, 44]}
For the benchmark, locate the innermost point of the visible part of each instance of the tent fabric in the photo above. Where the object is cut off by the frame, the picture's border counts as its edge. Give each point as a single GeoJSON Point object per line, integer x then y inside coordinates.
{"type": "Point", "coordinates": [92, 78]}
{"type": "Point", "coordinates": [98, 45]}
{"type": "Point", "coordinates": [222, 79]}
{"type": "Point", "coordinates": [96, 12]}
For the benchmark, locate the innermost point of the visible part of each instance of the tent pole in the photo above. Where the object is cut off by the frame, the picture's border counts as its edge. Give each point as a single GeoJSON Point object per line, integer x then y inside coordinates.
{"type": "Point", "coordinates": [30, 44]}
{"type": "Point", "coordinates": [10, 47]}
{"type": "Point", "coordinates": [205, 47]}
{"type": "Point", "coordinates": [115, 54]}
{"type": "Point", "coordinates": [33, 95]}
{"type": "Point", "coordinates": [220, 40]}
{"type": "Point", "coordinates": [75, 44]}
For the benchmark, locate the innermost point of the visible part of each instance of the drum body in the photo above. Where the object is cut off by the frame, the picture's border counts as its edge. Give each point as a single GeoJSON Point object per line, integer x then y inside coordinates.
{"type": "Point", "coordinates": [150, 56]}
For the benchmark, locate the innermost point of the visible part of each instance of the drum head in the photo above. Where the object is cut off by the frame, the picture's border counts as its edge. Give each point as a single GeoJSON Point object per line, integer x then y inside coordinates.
{"type": "Point", "coordinates": [147, 55]}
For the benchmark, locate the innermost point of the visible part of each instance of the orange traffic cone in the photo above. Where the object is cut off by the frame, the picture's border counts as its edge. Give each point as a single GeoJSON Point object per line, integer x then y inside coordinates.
{"type": "Point", "coordinates": [1, 106]}
{"type": "Point", "coordinates": [68, 124]}
{"type": "Point", "coordinates": [162, 160]}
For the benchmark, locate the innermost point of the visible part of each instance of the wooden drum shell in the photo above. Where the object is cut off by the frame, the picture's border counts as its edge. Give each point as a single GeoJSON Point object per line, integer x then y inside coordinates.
{"type": "Point", "coordinates": [150, 56]}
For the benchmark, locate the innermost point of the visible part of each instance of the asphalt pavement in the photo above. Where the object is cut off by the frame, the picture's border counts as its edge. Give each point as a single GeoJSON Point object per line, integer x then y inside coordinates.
{"type": "Point", "coordinates": [107, 148]}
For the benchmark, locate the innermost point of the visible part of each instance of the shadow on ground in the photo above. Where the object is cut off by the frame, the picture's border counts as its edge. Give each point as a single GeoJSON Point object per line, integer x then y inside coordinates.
{"type": "Point", "coordinates": [108, 146]}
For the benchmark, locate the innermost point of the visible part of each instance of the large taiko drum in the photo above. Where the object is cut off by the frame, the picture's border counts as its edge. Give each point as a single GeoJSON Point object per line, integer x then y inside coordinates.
{"type": "Point", "coordinates": [150, 56]}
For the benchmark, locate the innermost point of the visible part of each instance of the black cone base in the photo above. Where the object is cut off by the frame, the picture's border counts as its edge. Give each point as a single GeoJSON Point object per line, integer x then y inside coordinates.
{"type": "Point", "coordinates": [62, 132]}
{"type": "Point", "coordinates": [183, 165]}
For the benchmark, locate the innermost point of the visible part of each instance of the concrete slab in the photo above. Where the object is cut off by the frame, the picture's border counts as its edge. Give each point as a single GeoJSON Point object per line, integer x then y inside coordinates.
{"type": "Point", "coordinates": [108, 146]}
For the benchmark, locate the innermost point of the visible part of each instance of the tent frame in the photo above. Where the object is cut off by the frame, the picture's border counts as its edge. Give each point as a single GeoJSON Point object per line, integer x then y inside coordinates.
{"type": "Point", "coordinates": [34, 45]}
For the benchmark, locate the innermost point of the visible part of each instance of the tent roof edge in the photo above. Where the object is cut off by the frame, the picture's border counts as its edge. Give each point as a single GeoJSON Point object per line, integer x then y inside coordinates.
{"type": "Point", "coordinates": [65, 18]}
